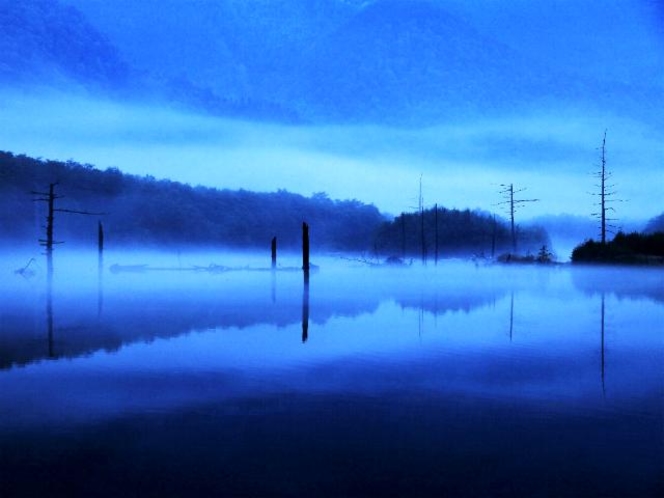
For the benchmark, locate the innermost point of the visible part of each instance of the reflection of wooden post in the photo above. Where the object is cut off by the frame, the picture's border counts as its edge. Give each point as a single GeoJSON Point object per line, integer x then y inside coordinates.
{"type": "Point", "coordinates": [100, 269]}
{"type": "Point", "coordinates": [274, 252]}
{"type": "Point", "coordinates": [511, 314]}
{"type": "Point", "coordinates": [305, 310]}
{"type": "Point", "coordinates": [305, 292]}
{"type": "Point", "coordinates": [436, 221]}
{"type": "Point", "coordinates": [305, 248]}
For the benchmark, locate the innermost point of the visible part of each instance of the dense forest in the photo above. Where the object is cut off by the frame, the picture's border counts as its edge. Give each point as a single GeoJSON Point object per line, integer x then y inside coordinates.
{"type": "Point", "coordinates": [144, 211]}
{"type": "Point", "coordinates": [453, 232]}
{"type": "Point", "coordinates": [632, 248]}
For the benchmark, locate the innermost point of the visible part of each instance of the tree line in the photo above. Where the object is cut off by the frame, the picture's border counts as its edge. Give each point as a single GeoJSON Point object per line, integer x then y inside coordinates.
{"type": "Point", "coordinates": [141, 210]}
{"type": "Point", "coordinates": [147, 211]}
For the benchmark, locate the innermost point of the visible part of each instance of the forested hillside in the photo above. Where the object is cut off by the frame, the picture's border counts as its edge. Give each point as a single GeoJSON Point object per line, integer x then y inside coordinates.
{"type": "Point", "coordinates": [147, 211]}
{"type": "Point", "coordinates": [144, 211]}
{"type": "Point", "coordinates": [42, 41]}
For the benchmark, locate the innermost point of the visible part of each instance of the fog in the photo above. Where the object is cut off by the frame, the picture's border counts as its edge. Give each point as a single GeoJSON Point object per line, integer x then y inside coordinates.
{"type": "Point", "coordinates": [552, 152]}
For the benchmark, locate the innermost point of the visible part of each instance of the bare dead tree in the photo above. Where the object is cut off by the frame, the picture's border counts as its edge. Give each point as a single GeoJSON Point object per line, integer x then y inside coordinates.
{"type": "Point", "coordinates": [605, 194]}
{"type": "Point", "coordinates": [512, 205]}
{"type": "Point", "coordinates": [49, 242]}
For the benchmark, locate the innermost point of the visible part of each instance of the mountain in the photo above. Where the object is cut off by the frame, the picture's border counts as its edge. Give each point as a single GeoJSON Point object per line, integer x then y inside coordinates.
{"type": "Point", "coordinates": [400, 61]}
{"type": "Point", "coordinates": [417, 57]}
{"type": "Point", "coordinates": [42, 41]}
{"type": "Point", "coordinates": [656, 224]}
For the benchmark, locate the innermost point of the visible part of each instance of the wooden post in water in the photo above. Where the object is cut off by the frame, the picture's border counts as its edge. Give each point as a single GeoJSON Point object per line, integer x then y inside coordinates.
{"type": "Point", "coordinates": [100, 269]}
{"type": "Point", "coordinates": [274, 253]}
{"type": "Point", "coordinates": [305, 251]}
{"type": "Point", "coordinates": [100, 245]}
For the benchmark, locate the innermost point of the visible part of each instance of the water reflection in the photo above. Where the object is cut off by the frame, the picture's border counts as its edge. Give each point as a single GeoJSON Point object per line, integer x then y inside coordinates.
{"type": "Point", "coordinates": [130, 307]}
{"type": "Point", "coordinates": [511, 314]}
{"type": "Point", "coordinates": [405, 374]}
{"type": "Point", "coordinates": [602, 343]}
{"type": "Point", "coordinates": [49, 314]}
{"type": "Point", "coordinates": [143, 307]}
{"type": "Point", "coordinates": [623, 282]}
{"type": "Point", "coordinates": [305, 308]}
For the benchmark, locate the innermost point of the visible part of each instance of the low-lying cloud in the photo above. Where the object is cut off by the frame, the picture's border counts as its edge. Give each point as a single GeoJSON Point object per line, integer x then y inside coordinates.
{"type": "Point", "coordinates": [551, 153]}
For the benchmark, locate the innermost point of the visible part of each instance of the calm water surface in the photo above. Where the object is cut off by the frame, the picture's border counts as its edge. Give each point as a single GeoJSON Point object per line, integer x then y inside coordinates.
{"type": "Point", "coordinates": [453, 380]}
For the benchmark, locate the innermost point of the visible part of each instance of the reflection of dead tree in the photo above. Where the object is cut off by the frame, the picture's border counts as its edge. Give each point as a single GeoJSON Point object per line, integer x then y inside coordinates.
{"type": "Point", "coordinates": [50, 197]}
{"type": "Point", "coordinates": [26, 271]}
{"type": "Point", "coordinates": [602, 360]}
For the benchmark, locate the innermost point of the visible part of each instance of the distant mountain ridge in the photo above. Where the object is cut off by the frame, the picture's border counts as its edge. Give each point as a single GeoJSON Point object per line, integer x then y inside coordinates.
{"type": "Point", "coordinates": [321, 60]}
{"type": "Point", "coordinates": [41, 40]}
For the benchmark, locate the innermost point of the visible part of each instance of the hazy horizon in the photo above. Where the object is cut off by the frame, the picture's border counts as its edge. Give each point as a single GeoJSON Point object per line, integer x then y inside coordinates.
{"type": "Point", "coordinates": [461, 165]}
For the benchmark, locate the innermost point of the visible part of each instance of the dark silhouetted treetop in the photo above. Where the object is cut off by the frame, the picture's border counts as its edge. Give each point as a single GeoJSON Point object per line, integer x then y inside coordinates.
{"type": "Point", "coordinates": [460, 232]}
{"type": "Point", "coordinates": [632, 248]}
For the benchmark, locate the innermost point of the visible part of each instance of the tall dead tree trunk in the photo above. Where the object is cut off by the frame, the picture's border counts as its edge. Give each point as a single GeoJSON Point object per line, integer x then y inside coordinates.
{"type": "Point", "coordinates": [603, 191]}
{"type": "Point", "coordinates": [508, 192]}
{"type": "Point", "coordinates": [49, 242]}
{"type": "Point", "coordinates": [605, 195]}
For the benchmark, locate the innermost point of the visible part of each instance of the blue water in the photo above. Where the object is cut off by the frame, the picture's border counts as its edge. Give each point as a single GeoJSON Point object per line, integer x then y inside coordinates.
{"type": "Point", "coordinates": [454, 380]}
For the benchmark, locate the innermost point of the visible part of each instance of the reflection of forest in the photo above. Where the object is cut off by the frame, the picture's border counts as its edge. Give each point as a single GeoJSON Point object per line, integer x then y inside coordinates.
{"type": "Point", "coordinates": [623, 282]}
{"type": "Point", "coordinates": [457, 299]}
{"type": "Point", "coordinates": [69, 323]}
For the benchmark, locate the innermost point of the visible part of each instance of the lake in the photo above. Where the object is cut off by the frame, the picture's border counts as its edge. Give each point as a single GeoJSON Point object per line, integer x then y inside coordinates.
{"type": "Point", "coordinates": [451, 380]}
